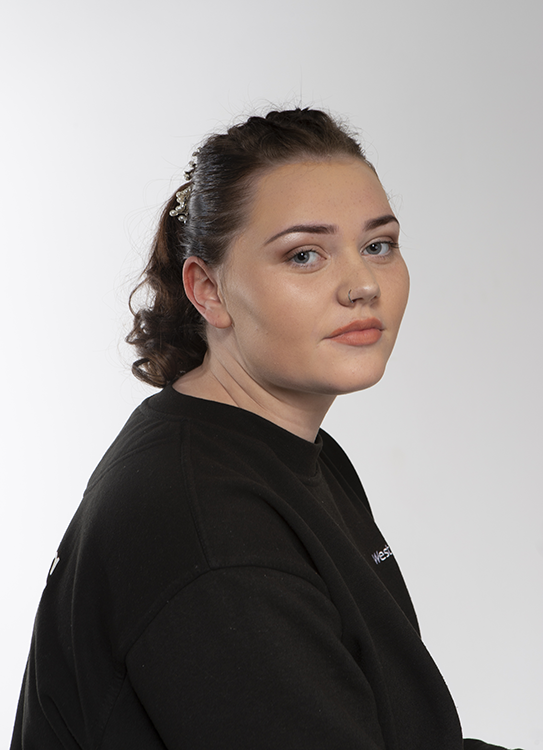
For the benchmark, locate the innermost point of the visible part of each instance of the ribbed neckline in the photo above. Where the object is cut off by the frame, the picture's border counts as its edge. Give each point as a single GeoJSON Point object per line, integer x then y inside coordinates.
{"type": "Point", "coordinates": [298, 454]}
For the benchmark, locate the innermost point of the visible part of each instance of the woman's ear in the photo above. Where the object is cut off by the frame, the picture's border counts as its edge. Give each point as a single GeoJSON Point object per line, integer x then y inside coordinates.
{"type": "Point", "coordinates": [202, 289]}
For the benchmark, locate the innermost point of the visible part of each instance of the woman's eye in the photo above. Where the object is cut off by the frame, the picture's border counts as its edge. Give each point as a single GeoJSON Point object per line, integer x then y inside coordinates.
{"type": "Point", "coordinates": [304, 257]}
{"type": "Point", "coordinates": [379, 248]}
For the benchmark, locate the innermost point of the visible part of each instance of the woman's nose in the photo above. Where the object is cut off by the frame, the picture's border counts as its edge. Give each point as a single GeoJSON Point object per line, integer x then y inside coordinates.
{"type": "Point", "coordinates": [361, 284]}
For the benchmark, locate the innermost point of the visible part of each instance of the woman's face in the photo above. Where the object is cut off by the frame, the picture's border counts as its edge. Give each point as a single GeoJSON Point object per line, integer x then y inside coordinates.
{"type": "Point", "coordinates": [318, 255]}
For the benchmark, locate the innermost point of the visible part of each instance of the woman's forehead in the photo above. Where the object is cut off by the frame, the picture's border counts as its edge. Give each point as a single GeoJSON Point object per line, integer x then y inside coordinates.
{"type": "Point", "coordinates": [316, 191]}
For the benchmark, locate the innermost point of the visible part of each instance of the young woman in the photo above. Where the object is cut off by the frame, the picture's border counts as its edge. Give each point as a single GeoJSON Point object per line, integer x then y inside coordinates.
{"type": "Point", "coordinates": [223, 583]}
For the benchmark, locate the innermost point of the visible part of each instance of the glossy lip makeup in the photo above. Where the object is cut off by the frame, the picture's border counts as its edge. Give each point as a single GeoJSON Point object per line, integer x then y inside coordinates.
{"type": "Point", "coordinates": [359, 333]}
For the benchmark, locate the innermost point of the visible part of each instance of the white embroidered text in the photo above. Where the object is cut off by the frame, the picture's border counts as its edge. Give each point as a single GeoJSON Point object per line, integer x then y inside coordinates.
{"type": "Point", "coordinates": [381, 555]}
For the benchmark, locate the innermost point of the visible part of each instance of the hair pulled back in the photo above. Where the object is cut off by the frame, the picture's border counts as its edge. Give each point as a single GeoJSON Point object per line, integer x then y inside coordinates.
{"type": "Point", "coordinates": [169, 333]}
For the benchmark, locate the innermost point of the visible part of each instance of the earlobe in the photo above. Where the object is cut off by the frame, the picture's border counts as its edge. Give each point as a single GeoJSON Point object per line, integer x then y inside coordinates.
{"type": "Point", "coordinates": [202, 289]}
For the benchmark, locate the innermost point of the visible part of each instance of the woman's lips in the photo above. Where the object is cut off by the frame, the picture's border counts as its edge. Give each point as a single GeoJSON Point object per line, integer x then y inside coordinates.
{"type": "Point", "coordinates": [359, 333]}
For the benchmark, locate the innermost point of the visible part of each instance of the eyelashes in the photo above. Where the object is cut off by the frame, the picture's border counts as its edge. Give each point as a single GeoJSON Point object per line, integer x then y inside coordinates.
{"type": "Point", "coordinates": [311, 258]}
{"type": "Point", "coordinates": [380, 249]}
{"type": "Point", "coordinates": [304, 257]}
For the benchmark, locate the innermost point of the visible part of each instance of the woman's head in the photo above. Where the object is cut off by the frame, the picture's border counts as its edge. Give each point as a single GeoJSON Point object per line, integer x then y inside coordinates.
{"type": "Point", "coordinates": [169, 334]}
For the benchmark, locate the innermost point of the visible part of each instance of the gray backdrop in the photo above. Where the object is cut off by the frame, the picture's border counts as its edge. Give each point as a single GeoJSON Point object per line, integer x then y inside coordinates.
{"type": "Point", "coordinates": [102, 104]}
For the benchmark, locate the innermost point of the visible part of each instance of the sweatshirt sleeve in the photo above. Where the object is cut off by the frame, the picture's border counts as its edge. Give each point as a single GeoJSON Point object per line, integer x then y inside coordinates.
{"type": "Point", "coordinates": [252, 657]}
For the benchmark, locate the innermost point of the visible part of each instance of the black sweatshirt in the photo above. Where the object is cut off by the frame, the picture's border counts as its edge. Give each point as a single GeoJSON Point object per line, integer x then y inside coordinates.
{"type": "Point", "coordinates": [223, 585]}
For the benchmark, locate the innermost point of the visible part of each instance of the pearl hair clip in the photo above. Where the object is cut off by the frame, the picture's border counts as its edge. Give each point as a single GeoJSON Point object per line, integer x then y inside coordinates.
{"type": "Point", "coordinates": [182, 210]}
{"type": "Point", "coordinates": [183, 196]}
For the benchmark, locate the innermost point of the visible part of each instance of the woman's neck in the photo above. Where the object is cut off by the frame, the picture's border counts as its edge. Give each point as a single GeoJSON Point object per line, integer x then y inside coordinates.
{"type": "Point", "coordinates": [228, 383]}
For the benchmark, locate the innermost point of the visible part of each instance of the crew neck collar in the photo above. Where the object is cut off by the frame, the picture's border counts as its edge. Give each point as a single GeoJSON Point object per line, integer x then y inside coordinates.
{"type": "Point", "coordinates": [300, 455]}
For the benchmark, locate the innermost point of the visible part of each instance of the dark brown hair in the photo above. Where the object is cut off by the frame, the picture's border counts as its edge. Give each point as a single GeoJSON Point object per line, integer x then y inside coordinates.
{"type": "Point", "coordinates": [169, 333]}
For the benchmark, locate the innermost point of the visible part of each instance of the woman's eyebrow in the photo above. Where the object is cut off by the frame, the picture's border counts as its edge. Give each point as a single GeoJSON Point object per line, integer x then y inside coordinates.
{"type": "Point", "coordinates": [306, 229]}
{"type": "Point", "coordinates": [380, 221]}
{"type": "Point", "coordinates": [332, 228]}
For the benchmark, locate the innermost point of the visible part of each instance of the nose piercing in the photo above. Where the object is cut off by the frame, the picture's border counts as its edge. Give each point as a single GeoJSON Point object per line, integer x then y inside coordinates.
{"type": "Point", "coordinates": [349, 297]}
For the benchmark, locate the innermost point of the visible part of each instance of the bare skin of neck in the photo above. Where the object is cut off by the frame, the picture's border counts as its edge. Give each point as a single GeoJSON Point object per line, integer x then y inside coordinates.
{"type": "Point", "coordinates": [224, 380]}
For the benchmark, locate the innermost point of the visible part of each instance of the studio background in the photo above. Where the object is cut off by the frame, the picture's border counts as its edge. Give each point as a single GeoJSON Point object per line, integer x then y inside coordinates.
{"type": "Point", "coordinates": [103, 103]}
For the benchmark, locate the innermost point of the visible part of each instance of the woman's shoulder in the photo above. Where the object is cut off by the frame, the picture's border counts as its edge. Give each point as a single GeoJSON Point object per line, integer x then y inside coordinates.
{"type": "Point", "coordinates": [180, 492]}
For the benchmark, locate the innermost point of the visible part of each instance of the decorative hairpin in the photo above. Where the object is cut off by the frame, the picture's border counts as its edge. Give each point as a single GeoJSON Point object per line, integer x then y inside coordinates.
{"type": "Point", "coordinates": [183, 195]}
{"type": "Point", "coordinates": [182, 210]}
{"type": "Point", "coordinates": [190, 170]}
